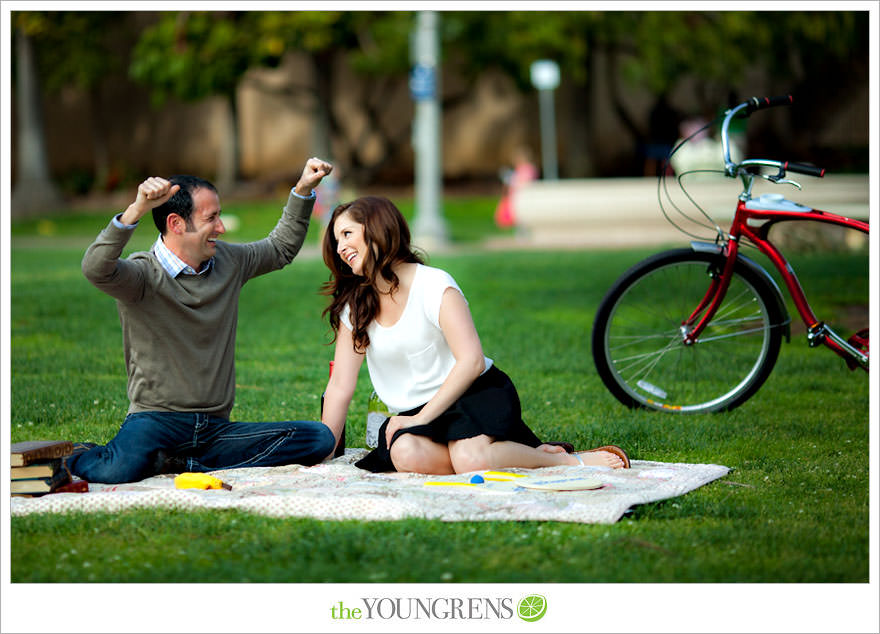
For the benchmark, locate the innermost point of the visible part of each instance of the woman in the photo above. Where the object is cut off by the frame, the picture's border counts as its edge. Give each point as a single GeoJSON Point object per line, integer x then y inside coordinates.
{"type": "Point", "coordinates": [458, 412]}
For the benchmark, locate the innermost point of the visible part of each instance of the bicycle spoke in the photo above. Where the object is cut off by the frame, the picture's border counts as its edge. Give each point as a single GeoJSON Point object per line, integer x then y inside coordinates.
{"type": "Point", "coordinates": [740, 333]}
{"type": "Point", "coordinates": [648, 355]}
{"type": "Point", "coordinates": [651, 360]}
{"type": "Point", "coordinates": [648, 359]}
{"type": "Point", "coordinates": [631, 341]}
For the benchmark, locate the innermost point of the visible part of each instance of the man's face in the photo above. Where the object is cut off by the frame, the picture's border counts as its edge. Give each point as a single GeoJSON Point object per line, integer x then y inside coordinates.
{"type": "Point", "coordinates": [198, 243]}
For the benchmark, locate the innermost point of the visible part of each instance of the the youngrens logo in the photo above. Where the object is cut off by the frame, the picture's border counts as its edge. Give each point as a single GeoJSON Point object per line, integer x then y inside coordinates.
{"type": "Point", "coordinates": [530, 608]}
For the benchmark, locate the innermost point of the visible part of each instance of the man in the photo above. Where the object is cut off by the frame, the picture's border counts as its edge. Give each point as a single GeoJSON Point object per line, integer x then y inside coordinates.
{"type": "Point", "coordinates": [178, 306]}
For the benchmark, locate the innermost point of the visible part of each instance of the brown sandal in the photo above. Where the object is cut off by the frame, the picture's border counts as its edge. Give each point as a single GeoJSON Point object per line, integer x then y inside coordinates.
{"type": "Point", "coordinates": [617, 451]}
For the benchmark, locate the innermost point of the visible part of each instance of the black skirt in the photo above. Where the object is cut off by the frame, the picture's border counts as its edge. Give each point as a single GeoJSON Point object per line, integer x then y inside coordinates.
{"type": "Point", "coordinates": [490, 406]}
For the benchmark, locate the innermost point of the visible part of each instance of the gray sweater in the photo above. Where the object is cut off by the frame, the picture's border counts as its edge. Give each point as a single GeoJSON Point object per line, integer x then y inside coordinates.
{"type": "Point", "coordinates": [179, 334]}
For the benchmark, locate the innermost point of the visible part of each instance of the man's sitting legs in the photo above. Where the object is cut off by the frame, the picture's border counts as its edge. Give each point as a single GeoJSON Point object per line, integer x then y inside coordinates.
{"type": "Point", "coordinates": [149, 443]}
{"type": "Point", "coordinates": [131, 455]}
{"type": "Point", "coordinates": [226, 445]}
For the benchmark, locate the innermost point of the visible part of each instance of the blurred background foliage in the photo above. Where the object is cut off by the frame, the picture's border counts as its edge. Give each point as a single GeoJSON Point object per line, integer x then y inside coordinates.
{"type": "Point", "coordinates": [189, 56]}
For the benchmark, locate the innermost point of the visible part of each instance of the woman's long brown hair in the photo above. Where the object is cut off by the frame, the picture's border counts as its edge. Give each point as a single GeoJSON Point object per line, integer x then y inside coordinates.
{"type": "Point", "coordinates": [387, 238]}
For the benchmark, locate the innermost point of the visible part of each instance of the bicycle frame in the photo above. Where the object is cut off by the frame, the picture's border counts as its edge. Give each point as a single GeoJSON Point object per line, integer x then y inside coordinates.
{"type": "Point", "coordinates": [699, 330]}
{"type": "Point", "coordinates": [753, 223]}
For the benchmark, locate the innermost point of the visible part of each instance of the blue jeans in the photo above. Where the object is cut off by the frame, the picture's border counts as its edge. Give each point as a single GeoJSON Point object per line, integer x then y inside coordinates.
{"type": "Point", "coordinates": [207, 442]}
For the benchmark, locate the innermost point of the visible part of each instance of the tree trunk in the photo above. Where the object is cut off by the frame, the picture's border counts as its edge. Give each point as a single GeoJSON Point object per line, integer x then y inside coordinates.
{"type": "Point", "coordinates": [227, 156]}
{"type": "Point", "coordinates": [322, 132]}
{"type": "Point", "coordinates": [34, 190]}
{"type": "Point", "coordinates": [99, 140]}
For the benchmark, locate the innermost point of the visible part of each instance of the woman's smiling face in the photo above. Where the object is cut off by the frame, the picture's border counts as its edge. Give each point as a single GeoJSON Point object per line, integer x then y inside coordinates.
{"type": "Point", "coordinates": [350, 244]}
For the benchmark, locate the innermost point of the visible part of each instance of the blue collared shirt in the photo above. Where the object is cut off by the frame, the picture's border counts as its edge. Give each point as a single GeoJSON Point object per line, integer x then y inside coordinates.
{"type": "Point", "coordinates": [172, 264]}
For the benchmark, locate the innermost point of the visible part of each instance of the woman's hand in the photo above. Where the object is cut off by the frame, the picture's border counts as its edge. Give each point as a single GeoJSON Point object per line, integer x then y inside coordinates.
{"type": "Point", "coordinates": [398, 422]}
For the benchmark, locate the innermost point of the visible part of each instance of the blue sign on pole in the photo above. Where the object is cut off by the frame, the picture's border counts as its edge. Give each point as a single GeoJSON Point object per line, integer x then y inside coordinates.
{"type": "Point", "coordinates": [423, 82]}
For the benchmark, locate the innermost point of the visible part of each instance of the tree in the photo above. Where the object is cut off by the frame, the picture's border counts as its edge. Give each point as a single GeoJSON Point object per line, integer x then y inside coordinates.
{"type": "Point", "coordinates": [375, 46]}
{"type": "Point", "coordinates": [824, 57]}
{"type": "Point", "coordinates": [798, 50]}
{"type": "Point", "coordinates": [34, 190]}
{"type": "Point", "coordinates": [657, 50]}
{"type": "Point", "coordinates": [510, 41]}
{"type": "Point", "coordinates": [195, 55]}
{"type": "Point", "coordinates": [83, 51]}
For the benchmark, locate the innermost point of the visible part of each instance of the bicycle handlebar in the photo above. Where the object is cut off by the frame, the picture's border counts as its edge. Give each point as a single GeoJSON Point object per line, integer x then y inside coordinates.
{"type": "Point", "coordinates": [742, 111]}
{"type": "Point", "coordinates": [759, 103]}
{"type": "Point", "coordinates": [802, 168]}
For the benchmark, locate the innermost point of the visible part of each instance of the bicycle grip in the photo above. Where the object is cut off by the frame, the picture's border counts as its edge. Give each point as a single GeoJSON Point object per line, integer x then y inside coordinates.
{"type": "Point", "coordinates": [801, 168]}
{"type": "Point", "coordinates": [759, 103]}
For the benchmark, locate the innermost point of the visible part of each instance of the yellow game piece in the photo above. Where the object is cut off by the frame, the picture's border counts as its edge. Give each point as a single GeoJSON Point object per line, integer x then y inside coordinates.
{"type": "Point", "coordinates": [199, 481]}
{"type": "Point", "coordinates": [504, 475]}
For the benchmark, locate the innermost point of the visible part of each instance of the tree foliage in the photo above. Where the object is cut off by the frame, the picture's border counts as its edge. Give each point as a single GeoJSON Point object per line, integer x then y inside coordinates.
{"type": "Point", "coordinates": [374, 46]}
{"type": "Point", "coordinates": [192, 55]}
{"type": "Point", "coordinates": [73, 47]}
{"type": "Point", "coordinates": [511, 41]}
{"type": "Point", "coordinates": [83, 51]}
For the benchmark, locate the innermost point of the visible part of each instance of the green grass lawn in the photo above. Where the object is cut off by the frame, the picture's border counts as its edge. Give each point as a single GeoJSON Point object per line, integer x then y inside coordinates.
{"type": "Point", "coordinates": [468, 220]}
{"type": "Point", "coordinates": [795, 507]}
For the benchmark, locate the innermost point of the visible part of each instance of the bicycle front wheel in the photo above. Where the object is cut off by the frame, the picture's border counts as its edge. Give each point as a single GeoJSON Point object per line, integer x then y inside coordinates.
{"type": "Point", "coordinates": [638, 335]}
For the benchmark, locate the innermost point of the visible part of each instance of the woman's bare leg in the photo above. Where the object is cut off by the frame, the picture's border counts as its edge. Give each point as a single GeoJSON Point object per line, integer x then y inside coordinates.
{"type": "Point", "coordinates": [419, 454]}
{"type": "Point", "coordinates": [480, 452]}
{"type": "Point", "coordinates": [551, 448]}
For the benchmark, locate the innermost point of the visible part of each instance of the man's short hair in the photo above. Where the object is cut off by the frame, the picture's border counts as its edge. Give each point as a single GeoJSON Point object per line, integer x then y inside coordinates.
{"type": "Point", "coordinates": [180, 203]}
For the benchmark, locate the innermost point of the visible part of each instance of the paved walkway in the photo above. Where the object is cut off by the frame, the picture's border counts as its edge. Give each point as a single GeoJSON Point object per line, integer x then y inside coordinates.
{"type": "Point", "coordinates": [622, 212]}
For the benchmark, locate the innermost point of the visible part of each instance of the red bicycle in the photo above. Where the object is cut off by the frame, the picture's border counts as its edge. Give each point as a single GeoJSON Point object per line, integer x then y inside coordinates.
{"type": "Point", "coordinates": [699, 330]}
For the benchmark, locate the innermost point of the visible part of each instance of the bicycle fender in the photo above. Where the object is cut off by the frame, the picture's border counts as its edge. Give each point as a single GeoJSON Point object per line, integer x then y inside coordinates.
{"type": "Point", "coordinates": [711, 247]}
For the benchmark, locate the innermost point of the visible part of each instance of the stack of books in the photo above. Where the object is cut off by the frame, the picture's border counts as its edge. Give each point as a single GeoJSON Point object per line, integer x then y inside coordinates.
{"type": "Point", "coordinates": [38, 468]}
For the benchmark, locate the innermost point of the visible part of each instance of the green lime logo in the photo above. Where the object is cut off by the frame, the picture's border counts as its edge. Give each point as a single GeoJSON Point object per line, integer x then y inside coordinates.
{"type": "Point", "coordinates": [532, 608]}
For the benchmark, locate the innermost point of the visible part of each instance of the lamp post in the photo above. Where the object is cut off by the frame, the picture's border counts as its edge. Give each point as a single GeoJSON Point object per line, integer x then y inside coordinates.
{"type": "Point", "coordinates": [545, 77]}
{"type": "Point", "coordinates": [429, 228]}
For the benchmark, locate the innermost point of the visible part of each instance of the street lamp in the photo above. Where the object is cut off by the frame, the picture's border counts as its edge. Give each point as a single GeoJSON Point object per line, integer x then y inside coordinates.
{"type": "Point", "coordinates": [545, 77]}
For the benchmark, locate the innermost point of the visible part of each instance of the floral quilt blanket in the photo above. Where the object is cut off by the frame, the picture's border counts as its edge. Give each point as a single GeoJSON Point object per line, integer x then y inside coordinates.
{"type": "Point", "coordinates": [337, 490]}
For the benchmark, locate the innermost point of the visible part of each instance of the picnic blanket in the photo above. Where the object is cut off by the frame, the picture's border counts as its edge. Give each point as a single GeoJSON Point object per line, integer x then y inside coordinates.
{"type": "Point", "coordinates": [337, 490]}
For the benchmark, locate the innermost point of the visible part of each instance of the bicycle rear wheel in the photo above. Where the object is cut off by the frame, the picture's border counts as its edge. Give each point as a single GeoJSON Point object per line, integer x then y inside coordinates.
{"type": "Point", "coordinates": [638, 343]}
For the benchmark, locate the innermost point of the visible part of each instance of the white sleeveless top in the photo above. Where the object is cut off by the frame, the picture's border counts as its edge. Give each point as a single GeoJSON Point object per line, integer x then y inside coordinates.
{"type": "Point", "coordinates": [409, 361]}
